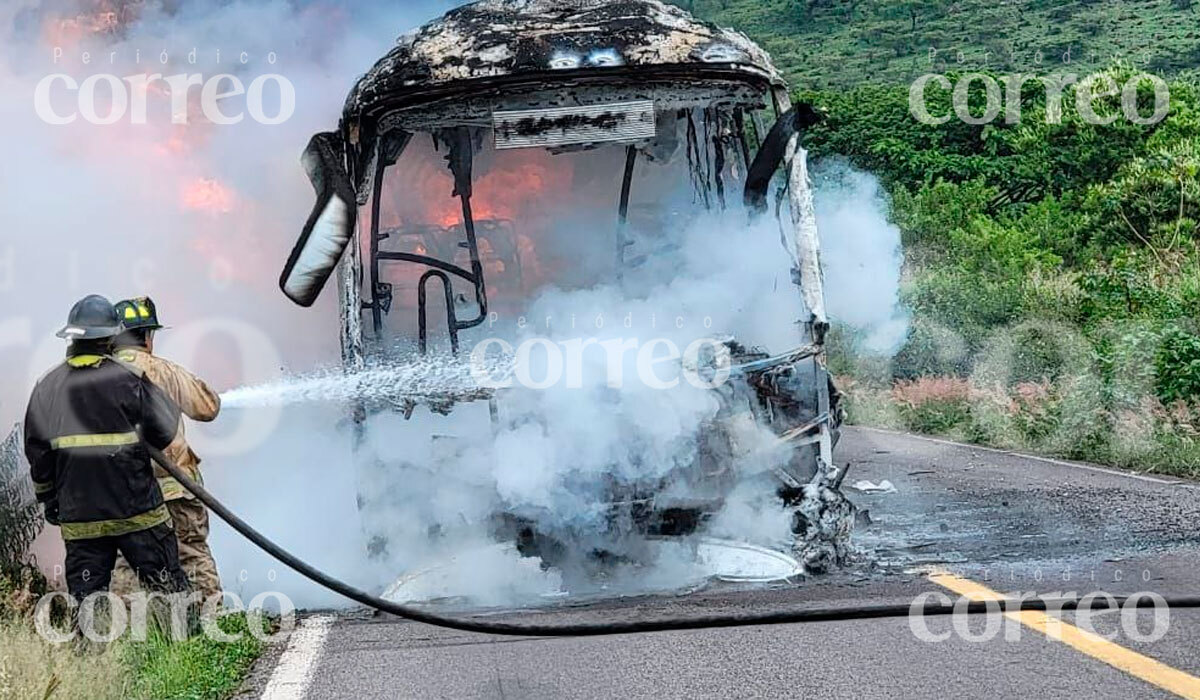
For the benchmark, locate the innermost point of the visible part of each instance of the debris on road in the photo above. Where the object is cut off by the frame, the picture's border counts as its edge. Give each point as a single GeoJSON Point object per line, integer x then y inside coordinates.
{"type": "Point", "coordinates": [865, 486]}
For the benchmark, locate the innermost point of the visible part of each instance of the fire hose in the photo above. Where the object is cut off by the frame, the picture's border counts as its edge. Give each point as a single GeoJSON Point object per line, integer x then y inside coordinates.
{"type": "Point", "coordinates": [737, 619]}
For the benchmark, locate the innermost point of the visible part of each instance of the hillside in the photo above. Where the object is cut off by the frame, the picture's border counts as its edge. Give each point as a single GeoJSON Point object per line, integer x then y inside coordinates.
{"type": "Point", "coordinates": [1052, 266]}
{"type": "Point", "coordinates": [837, 43]}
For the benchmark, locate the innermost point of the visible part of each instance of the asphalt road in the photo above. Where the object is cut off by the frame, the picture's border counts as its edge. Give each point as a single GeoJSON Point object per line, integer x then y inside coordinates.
{"type": "Point", "coordinates": [1012, 524]}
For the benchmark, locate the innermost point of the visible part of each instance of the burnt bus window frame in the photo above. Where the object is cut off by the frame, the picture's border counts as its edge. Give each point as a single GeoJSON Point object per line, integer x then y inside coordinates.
{"type": "Point", "coordinates": [389, 147]}
{"type": "Point", "coordinates": [391, 143]}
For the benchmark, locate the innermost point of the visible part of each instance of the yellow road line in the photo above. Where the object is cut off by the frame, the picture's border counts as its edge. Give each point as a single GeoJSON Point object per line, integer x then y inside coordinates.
{"type": "Point", "coordinates": [1147, 669]}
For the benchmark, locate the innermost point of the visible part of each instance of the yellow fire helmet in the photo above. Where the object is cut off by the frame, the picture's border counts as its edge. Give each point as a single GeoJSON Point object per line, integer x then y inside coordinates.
{"type": "Point", "coordinates": [138, 313]}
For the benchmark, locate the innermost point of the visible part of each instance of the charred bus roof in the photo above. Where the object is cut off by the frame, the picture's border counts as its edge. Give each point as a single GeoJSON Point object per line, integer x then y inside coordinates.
{"type": "Point", "coordinates": [508, 43]}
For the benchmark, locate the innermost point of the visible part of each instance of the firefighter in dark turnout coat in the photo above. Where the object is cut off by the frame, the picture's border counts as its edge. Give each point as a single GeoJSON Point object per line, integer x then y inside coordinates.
{"type": "Point", "coordinates": [84, 433]}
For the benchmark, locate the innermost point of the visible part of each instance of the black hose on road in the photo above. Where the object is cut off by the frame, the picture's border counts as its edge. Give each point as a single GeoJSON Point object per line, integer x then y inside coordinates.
{"type": "Point", "coordinates": [776, 617]}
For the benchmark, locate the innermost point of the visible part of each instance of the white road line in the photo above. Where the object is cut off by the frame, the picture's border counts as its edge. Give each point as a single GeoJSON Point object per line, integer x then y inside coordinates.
{"type": "Point", "coordinates": [293, 673]}
{"type": "Point", "coordinates": [1022, 455]}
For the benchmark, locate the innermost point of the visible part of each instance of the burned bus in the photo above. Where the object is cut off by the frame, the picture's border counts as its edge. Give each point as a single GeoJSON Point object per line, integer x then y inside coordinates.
{"type": "Point", "coordinates": [515, 146]}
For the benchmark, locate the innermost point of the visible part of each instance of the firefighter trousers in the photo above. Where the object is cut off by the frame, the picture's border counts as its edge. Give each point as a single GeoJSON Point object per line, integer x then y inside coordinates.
{"type": "Point", "coordinates": [190, 519]}
{"type": "Point", "coordinates": [153, 554]}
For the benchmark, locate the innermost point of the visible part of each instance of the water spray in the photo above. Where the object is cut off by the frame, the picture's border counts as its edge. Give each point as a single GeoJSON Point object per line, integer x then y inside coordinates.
{"type": "Point", "coordinates": [413, 379]}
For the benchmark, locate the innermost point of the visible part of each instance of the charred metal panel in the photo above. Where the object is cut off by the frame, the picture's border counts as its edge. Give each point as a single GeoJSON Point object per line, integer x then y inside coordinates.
{"type": "Point", "coordinates": [807, 242]}
{"type": "Point", "coordinates": [558, 38]}
{"type": "Point", "coordinates": [479, 103]}
{"type": "Point", "coordinates": [626, 122]}
{"type": "Point", "coordinates": [351, 305]}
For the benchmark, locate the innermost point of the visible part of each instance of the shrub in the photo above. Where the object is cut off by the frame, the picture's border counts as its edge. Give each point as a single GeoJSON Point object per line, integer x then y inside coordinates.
{"type": "Point", "coordinates": [870, 405]}
{"type": "Point", "coordinates": [933, 404]}
{"type": "Point", "coordinates": [1177, 366]}
{"type": "Point", "coordinates": [1035, 410]}
{"type": "Point", "coordinates": [930, 349]}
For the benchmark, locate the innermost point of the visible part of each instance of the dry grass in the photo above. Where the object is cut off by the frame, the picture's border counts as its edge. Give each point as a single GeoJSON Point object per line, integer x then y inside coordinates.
{"type": "Point", "coordinates": [1067, 418]}
{"type": "Point", "coordinates": [33, 669]}
{"type": "Point", "coordinates": [933, 404]}
{"type": "Point", "coordinates": [925, 390]}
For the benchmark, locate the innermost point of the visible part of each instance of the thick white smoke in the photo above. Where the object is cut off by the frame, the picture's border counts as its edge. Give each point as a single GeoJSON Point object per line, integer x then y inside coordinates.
{"type": "Point", "coordinates": [199, 216]}
{"type": "Point", "coordinates": [560, 449]}
{"type": "Point", "coordinates": [862, 255]}
{"type": "Point", "coordinates": [433, 484]}
{"type": "Point", "coordinates": [202, 216]}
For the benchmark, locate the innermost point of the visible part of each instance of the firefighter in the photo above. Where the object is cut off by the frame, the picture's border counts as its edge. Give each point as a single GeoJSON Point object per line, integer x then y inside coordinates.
{"type": "Point", "coordinates": [198, 402]}
{"type": "Point", "coordinates": [86, 430]}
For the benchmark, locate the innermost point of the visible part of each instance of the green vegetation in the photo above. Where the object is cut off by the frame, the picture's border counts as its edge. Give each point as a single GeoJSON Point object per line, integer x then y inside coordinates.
{"type": "Point", "coordinates": [197, 669]}
{"type": "Point", "coordinates": [200, 668]}
{"type": "Point", "coordinates": [824, 44]}
{"type": "Point", "coordinates": [1050, 252]}
{"type": "Point", "coordinates": [1052, 264]}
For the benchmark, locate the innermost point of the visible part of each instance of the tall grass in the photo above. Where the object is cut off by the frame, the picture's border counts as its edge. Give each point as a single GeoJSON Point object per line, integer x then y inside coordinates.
{"type": "Point", "coordinates": [1064, 418]}
{"type": "Point", "coordinates": [33, 669]}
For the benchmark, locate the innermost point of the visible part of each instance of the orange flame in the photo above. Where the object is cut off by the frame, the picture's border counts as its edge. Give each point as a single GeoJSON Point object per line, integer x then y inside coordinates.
{"type": "Point", "coordinates": [104, 17]}
{"type": "Point", "coordinates": [209, 196]}
{"type": "Point", "coordinates": [514, 199]}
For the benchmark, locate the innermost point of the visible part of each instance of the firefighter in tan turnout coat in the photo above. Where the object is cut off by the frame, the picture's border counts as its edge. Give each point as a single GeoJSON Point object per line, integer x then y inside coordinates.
{"type": "Point", "coordinates": [196, 401]}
